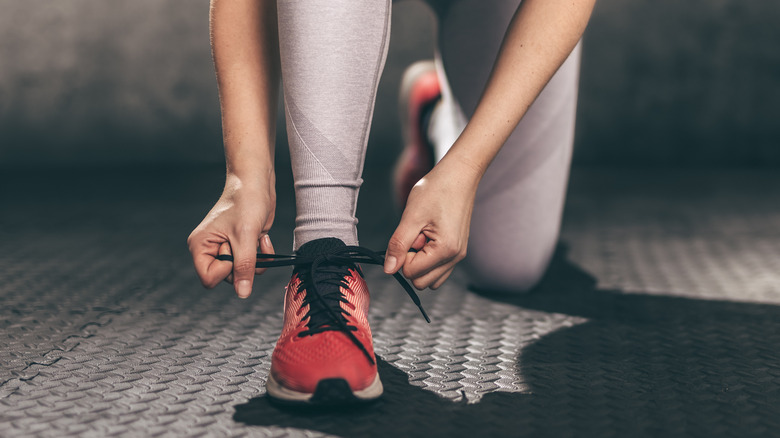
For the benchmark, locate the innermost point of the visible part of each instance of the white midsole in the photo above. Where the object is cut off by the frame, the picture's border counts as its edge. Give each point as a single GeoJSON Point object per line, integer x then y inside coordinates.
{"type": "Point", "coordinates": [278, 391]}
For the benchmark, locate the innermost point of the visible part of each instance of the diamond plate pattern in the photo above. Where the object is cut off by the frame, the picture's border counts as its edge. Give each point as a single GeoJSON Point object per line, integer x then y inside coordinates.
{"type": "Point", "coordinates": [705, 234]}
{"type": "Point", "coordinates": [106, 332]}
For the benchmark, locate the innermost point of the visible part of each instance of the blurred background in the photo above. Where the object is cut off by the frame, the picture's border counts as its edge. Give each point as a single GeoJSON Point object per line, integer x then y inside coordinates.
{"type": "Point", "coordinates": [664, 84]}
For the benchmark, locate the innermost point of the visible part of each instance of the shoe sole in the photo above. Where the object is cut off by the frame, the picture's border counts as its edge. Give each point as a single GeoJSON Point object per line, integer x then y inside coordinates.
{"type": "Point", "coordinates": [409, 132]}
{"type": "Point", "coordinates": [328, 392]}
{"type": "Point", "coordinates": [411, 75]}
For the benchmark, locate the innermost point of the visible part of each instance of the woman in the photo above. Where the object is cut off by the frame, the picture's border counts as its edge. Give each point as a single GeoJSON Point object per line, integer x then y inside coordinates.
{"type": "Point", "coordinates": [495, 58]}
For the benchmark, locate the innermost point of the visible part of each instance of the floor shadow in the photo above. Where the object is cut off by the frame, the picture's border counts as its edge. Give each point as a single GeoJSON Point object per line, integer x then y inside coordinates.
{"type": "Point", "coordinates": [642, 365]}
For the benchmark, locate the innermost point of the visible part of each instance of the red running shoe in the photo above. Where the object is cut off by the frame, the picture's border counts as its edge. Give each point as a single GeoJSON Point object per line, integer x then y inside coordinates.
{"type": "Point", "coordinates": [325, 354]}
{"type": "Point", "coordinates": [420, 92]}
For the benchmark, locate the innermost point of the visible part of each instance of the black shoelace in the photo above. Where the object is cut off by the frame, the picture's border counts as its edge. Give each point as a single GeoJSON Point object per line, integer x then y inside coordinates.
{"type": "Point", "coordinates": [325, 311]}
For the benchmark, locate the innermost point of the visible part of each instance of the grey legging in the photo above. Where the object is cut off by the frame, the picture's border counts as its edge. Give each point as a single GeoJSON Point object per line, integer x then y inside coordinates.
{"type": "Point", "coordinates": [333, 53]}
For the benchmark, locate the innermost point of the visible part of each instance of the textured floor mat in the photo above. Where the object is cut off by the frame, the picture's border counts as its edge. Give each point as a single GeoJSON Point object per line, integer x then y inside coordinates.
{"type": "Point", "coordinates": [106, 331]}
{"type": "Point", "coordinates": [708, 234]}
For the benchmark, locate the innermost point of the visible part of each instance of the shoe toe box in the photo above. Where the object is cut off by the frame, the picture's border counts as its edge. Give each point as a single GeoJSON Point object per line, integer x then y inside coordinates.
{"type": "Point", "coordinates": [300, 363]}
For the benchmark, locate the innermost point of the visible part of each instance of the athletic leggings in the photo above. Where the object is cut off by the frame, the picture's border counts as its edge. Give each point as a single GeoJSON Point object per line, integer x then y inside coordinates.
{"type": "Point", "coordinates": [333, 53]}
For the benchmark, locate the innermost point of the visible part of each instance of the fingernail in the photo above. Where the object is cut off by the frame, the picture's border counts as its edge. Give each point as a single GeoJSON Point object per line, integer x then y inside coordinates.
{"type": "Point", "coordinates": [244, 288]}
{"type": "Point", "coordinates": [390, 262]}
{"type": "Point", "coordinates": [267, 240]}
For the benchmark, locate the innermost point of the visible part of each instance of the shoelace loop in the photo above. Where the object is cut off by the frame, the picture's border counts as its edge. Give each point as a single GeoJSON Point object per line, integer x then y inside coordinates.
{"type": "Point", "coordinates": [346, 255]}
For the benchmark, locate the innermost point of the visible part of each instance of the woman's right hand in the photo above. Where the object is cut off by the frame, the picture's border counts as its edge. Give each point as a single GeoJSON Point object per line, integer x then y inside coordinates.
{"type": "Point", "coordinates": [237, 225]}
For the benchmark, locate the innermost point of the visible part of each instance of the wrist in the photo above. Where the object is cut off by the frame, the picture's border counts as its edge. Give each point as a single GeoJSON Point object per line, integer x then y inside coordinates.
{"type": "Point", "coordinates": [249, 159]}
{"type": "Point", "coordinates": [462, 168]}
{"type": "Point", "coordinates": [255, 180]}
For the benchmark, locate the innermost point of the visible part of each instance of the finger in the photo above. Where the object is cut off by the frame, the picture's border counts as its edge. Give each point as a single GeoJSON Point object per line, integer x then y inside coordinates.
{"type": "Point", "coordinates": [418, 245]}
{"type": "Point", "coordinates": [433, 255]}
{"type": "Point", "coordinates": [402, 239]}
{"type": "Point", "coordinates": [431, 277]}
{"type": "Point", "coordinates": [266, 247]}
{"type": "Point", "coordinates": [419, 242]}
{"type": "Point", "coordinates": [244, 259]}
{"type": "Point", "coordinates": [224, 249]}
{"type": "Point", "coordinates": [438, 283]}
{"type": "Point", "coordinates": [210, 270]}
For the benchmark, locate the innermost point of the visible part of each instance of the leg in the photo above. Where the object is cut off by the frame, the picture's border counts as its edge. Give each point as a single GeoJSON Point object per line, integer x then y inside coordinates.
{"type": "Point", "coordinates": [332, 55]}
{"type": "Point", "coordinates": [517, 213]}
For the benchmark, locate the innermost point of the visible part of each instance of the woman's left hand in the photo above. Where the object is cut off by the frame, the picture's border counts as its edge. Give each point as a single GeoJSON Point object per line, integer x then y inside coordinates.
{"type": "Point", "coordinates": [436, 223]}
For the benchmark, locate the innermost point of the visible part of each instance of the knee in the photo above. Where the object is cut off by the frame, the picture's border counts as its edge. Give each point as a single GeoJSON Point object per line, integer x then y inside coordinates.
{"type": "Point", "coordinates": [514, 274]}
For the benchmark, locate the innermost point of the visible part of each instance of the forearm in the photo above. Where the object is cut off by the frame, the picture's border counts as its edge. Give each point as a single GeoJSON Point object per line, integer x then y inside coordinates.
{"type": "Point", "coordinates": [245, 48]}
{"type": "Point", "coordinates": [539, 39]}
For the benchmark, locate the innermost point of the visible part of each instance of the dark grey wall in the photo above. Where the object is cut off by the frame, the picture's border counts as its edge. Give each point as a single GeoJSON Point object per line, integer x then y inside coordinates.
{"type": "Point", "coordinates": [664, 82]}
{"type": "Point", "coordinates": [692, 83]}
{"type": "Point", "coordinates": [85, 81]}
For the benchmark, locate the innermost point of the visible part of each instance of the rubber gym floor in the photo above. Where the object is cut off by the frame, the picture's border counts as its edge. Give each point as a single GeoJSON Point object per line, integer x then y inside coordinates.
{"type": "Point", "coordinates": [659, 317]}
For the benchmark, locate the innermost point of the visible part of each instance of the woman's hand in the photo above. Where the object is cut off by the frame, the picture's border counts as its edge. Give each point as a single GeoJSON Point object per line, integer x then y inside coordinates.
{"type": "Point", "coordinates": [436, 223]}
{"type": "Point", "coordinates": [237, 224]}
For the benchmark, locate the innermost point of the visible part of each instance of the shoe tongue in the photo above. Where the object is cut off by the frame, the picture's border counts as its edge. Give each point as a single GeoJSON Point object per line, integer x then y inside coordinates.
{"type": "Point", "coordinates": [319, 246]}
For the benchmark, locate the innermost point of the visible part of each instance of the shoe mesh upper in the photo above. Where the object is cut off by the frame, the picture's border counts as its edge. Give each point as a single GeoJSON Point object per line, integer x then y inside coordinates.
{"type": "Point", "coordinates": [300, 362]}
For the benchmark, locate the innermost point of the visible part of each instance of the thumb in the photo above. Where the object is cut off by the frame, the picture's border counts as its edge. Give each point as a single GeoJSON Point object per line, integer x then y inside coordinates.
{"type": "Point", "coordinates": [266, 247]}
{"type": "Point", "coordinates": [405, 237]}
{"type": "Point", "coordinates": [244, 260]}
